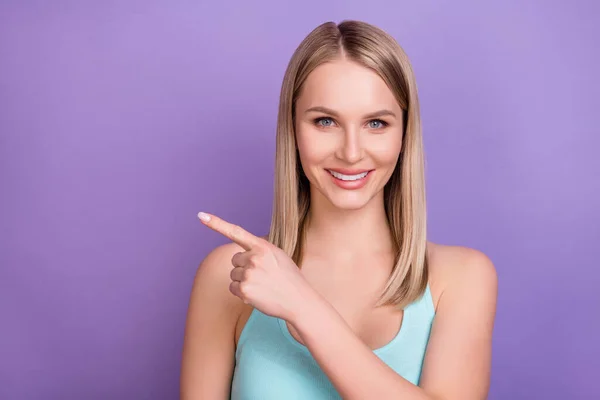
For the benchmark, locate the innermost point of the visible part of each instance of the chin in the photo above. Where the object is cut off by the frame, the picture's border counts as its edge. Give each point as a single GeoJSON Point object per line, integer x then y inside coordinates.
{"type": "Point", "coordinates": [349, 201]}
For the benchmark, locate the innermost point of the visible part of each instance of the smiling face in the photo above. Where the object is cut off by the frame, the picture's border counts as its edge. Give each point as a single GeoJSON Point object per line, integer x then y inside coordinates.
{"type": "Point", "coordinates": [349, 133]}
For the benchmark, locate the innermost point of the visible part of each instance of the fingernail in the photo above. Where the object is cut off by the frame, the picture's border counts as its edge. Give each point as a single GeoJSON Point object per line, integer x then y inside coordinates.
{"type": "Point", "coordinates": [204, 217]}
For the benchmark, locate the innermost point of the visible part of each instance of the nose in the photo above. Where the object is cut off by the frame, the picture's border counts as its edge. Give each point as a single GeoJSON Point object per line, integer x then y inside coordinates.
{"type": "Point", "coordinates": [350, 149]}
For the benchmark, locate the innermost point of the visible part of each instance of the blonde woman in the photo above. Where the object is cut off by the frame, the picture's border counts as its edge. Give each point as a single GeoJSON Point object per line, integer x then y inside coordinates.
{"type": "Point", "coordinates": [345, 298]}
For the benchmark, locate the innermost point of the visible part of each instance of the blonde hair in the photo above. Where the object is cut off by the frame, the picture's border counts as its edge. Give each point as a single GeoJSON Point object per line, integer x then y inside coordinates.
{"type": "Point", "coordinates": [404, 193]}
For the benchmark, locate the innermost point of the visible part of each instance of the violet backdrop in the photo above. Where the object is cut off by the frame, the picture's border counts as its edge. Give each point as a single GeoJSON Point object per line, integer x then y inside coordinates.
{"type": "Point", "coordinates": [120, 120]}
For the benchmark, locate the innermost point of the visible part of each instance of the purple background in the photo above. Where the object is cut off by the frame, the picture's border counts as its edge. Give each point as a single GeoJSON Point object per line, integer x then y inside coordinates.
{"type": "Point", "coordinates": [120, 120]}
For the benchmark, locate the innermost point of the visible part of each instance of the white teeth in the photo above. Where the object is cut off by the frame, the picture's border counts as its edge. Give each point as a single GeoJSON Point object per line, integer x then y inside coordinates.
{"type": "Point", "coordinates": [348, 177]}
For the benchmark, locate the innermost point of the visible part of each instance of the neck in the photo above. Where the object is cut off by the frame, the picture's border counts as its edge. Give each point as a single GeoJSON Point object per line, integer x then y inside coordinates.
{"type": "Point", "coordinates": [332, 232]}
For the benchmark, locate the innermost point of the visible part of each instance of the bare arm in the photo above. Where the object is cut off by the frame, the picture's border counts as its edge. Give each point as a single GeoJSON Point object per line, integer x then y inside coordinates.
{"type": "Point", "coordinates": [209, 341]}
{"type": "Point", "coordinates": [457, 363]}
{"type": "Point", "coordinates": [459, 353]}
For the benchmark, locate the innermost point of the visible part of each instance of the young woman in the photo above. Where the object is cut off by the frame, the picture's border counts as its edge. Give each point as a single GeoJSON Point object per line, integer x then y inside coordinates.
{"type": "Point", "coordinates": [345, 297]}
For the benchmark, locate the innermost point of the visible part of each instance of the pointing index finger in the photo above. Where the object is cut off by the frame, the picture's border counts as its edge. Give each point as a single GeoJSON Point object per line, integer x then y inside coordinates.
{"type": "Point", "coordinates": [234, 232]}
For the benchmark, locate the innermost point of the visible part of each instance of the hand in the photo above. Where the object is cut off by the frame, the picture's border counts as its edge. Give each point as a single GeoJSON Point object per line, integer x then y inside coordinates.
{"type": "Point", "coordinates": [263, 276]}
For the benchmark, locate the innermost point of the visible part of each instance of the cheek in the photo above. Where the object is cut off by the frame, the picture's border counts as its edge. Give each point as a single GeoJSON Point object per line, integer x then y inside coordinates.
{"type": "Point", "coordinates": [313, 151]}
{"type": "Point", "coordinates": [386, 152]}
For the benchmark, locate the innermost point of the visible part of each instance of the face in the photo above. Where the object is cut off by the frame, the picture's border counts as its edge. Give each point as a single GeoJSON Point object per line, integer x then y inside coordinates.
{"type": "Point", "coordinates": [349, 133]}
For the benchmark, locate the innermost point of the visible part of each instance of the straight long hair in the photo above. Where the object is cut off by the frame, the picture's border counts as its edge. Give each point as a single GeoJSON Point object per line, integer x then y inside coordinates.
{"type": "Point", "coordinates": [404, 193]}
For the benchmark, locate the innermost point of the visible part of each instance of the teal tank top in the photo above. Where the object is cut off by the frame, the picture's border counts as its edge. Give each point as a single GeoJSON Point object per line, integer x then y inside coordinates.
{"type": "Point", "coordinates": [271, 365]}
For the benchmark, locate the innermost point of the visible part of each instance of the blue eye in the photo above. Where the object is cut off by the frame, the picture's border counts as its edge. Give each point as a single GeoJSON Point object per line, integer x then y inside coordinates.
{"type": "Point", "coordinates": [324, 122]}
{"type": "Point", "coordinates": [379, 124]}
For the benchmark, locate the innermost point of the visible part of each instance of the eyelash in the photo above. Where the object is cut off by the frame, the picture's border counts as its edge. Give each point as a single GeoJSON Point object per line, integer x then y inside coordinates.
{"type": "Point", "coordinates": [317, 120]}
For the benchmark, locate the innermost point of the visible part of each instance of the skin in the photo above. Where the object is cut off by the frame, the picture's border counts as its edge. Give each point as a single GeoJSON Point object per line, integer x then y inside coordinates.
{"type": "Point", "coordinates": [329, 303]}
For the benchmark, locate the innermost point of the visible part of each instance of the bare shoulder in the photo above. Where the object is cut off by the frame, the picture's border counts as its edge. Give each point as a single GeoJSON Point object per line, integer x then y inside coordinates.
{"type": "Point", "coordinates": [213, 280]}
{"type": "Point", "coordinates": [210, 299]}
{"type": "Point", "coordinates": [460, 268]}
{"type": "Point", "coordinates": [213, 312]}
{"type": "Point", "coordinates": [214, 275]}
{"type": "Point", "coordinates": [464, 287]}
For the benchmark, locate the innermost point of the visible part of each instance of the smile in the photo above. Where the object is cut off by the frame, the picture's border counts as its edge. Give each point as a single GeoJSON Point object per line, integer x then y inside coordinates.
{"type": "Point", "coordinates": [349, 179]}
{"type": "Point", "coordinates": [345, 177]}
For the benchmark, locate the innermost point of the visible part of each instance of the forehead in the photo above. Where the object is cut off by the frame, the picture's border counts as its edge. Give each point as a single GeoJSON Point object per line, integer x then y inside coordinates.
{"type": "Point", "coordinates": [346, 87]}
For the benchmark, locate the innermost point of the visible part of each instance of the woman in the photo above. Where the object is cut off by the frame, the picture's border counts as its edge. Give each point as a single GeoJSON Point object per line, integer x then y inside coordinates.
{"type": "Point", "coordinates": [346, 297]}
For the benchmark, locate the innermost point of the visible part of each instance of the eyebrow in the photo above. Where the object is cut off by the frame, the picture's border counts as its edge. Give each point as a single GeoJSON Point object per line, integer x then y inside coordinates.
{"type": "Point", "coordinates": [329, 111]}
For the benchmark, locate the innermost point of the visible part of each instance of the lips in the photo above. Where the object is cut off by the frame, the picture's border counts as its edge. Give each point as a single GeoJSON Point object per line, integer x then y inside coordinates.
{"type": "Point", "coordinates": [351, 179]}
{"type": "Point", "coordinates": [345, 177]}
{"type": "Point", "coordinates": [345, 171]}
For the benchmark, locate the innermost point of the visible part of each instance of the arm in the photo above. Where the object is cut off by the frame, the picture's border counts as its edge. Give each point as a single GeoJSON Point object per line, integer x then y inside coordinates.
{"type": "Point", "coordinates": [209, 348]}
{"type": "Point", "coordinates": [457, 363]}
